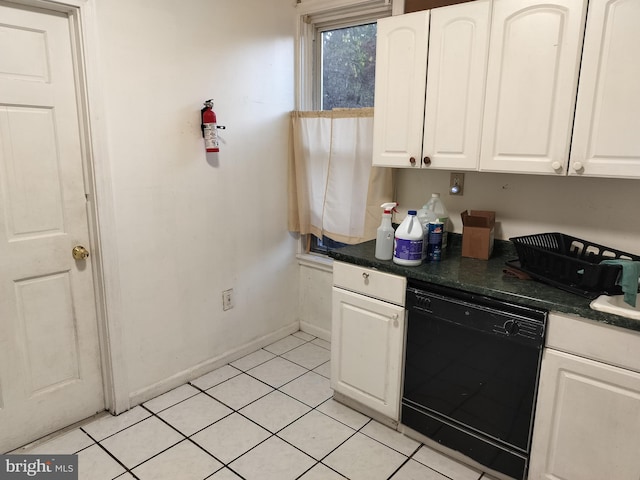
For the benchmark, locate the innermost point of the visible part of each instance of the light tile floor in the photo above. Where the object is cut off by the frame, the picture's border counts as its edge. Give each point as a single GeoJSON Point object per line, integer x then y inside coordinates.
{"type": "Point", "coordinates": [267, 416]}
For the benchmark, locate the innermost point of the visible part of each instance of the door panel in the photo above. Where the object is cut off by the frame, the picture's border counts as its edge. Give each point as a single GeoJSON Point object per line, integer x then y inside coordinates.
{"type": "Point", "coordinates": [401, 75]}
{"type": "Point", "coordinates": [50, 373]}
{"type": "Point", "coordinates": [47, 331]}
{"type": "Point", "coordinates": [532, 77]}
{"type": "Point", "coordinates": [605, 138]}
{"type": "Point", "coordinates": [587, 420]}
{"type": "Point", "coordinates": [366, 350]}
{"type": "Point", "coordinates": [30, 171]}
{"type": "Point", "coordinates": [457, 64]}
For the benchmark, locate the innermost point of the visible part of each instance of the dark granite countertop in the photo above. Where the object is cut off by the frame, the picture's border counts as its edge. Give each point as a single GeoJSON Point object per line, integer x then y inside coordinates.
{"type": "Point", "coordinates": [485, 277]}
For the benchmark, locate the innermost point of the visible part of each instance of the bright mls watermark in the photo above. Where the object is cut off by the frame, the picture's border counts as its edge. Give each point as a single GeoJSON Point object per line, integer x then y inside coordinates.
{"type": "Point", "coordinates": [49, 467]}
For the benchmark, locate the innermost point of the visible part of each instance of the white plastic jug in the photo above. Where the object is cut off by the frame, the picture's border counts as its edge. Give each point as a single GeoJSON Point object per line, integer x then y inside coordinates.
{"type": "Point", "coordinates": [408, 242]}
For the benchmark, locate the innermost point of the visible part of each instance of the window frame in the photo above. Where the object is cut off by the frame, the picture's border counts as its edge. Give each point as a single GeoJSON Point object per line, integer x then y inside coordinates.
{"type": "Point", "coordinates": [314, 18]}
{"type": "Point", "coordinates": [312, 21]}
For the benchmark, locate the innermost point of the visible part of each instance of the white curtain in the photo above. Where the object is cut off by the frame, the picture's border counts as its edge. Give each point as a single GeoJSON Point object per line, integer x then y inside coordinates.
{"type": "Point", "coordinates": [333, 189]}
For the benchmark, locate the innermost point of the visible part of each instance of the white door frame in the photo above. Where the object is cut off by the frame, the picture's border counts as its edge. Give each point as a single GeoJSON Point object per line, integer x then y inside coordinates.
{"type": "Point", "coordinates": [98, 186]}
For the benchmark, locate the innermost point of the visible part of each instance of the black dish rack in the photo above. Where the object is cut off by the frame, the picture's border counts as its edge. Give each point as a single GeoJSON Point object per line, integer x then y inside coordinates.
{"type": "Point", "coordinates": [569, 263]}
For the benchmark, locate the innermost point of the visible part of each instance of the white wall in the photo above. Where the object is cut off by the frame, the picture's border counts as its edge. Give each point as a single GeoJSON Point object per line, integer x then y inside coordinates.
{"type": "Point", "coordinates": [190, 226]}
{"type": "Point", "coordinates": [600, 210]}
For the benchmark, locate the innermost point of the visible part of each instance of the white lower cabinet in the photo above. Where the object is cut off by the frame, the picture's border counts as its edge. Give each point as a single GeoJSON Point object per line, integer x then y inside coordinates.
{"type": "Point", "coordinates": [367, 339]}
{"type": "Point", "coordinates": [587, 424]}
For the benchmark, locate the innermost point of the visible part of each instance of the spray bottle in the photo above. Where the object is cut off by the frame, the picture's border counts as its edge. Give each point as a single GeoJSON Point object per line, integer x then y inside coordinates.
{"type": "Point", "coordinates": [385, 233]}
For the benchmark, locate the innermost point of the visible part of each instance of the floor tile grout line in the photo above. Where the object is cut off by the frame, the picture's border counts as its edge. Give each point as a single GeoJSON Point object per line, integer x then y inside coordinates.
{"type": "Point", "coordinates": [405, 462]}
{"type": "Point", "coordinates": [102, 447]}
{"type": "Point", "coordinates": [290, 335]}
{"type": "Point", "coordinates": [303, 366]}
{"type": "Point", "coordinates": [324, 456]}
{"type": "Point", "coordinates": [321, 346]}
{"type": "Point", "coordinates": [240, 372]}
{"type": "Point", "coordinates": [271, 434]}
{"type": "Point", "coordinates": [253, 366]}
{"type": "Point", "coordinates": [226, 464]}
{"type": "Point", "coordinates": [277, 388]}
{"type": "Point", "coordinates": [180, 441]}
{"type": "Point", "coordinates": [265, 383]}
{"type": "Point", "coordinates": [233, 410]}
{"type": "Point", "coordinates": [275, 434]}
{"type": "Point", "coordinates": [229, 468]}
{"type": "Point", "coordinates": [430, 467]}
{"type": "Point", "coordinates": [294, 335]}
{"type": "Point", "coordinates": [337, 420]}
{"type": "Point", "coordinates": [389, 446]}
{"type": "Point", "coordinates": [252, 401]}
{"type": "Point", "coordinates": [173, 404]}
{"type": "Point", "coordinates": [306, 404]}
{"type": "Point", "coordinates": [122, 429]}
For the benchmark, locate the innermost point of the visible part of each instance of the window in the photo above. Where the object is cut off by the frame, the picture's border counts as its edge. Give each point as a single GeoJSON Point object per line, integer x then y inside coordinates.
{"type": "Point", "coordinates": [348, 63]}
{"type": "Point", "coordinates": [339, 71]}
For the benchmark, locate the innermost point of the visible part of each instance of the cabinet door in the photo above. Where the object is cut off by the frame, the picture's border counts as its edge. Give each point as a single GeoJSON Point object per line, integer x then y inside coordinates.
{"type": "Point", "coordinates": [534, 56]}
{"type": "Point", "coordinates": [587, 424]}
{"type": "Point", "coordinates": [456, 73]}
{"type": "Point", "coordinates": [367, 338]}
{"type": "Point", "coordinates": [401, 72]}
{"type": "Point", "coordinates": [605, 138]}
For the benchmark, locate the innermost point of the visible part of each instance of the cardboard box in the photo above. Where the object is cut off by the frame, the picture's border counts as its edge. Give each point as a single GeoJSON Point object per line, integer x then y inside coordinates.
{"type": "Point", "coordinates": [478, 231]}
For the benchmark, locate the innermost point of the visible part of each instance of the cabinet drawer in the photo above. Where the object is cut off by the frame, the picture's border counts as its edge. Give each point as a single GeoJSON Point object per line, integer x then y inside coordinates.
{"type": "Point", "coordinates": [380, 285]}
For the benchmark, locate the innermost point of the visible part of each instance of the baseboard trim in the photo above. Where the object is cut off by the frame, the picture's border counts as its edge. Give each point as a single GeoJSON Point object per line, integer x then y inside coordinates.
{"type": "Point", "coordinates": [180, 378]}
{"type": "Point", "coordinates": [315, 331]}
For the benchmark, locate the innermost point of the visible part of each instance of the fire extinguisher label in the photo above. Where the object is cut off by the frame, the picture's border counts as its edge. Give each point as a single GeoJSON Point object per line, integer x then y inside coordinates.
{"type": "Point", "coordinates": [211, 137]}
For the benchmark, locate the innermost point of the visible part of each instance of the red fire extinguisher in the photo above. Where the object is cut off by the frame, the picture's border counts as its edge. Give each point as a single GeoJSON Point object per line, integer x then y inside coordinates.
{"type": "Point", "coordinates": [209, 127]}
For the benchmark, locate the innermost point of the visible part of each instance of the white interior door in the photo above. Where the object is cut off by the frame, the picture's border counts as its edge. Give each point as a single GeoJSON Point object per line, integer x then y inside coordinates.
{"type": "Point", "coordinates": [50, 374]}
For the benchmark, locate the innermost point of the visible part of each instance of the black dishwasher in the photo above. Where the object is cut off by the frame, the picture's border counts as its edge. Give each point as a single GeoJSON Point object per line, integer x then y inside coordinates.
{"type": "Point", "coordinates": [471, 373]}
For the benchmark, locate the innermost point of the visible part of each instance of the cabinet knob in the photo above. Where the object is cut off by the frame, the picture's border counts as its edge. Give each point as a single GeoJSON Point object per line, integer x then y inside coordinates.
{"type": "Point", "coordinates": [365, 277]}
{"type": "Point", "coordinates": [578, 167]}
{"type": "Point", "coordinates": [426, 161]}
{"type": "Point", "coordinates": [412, 161]}
{"type": "Point", "coordinates": [557, 166]}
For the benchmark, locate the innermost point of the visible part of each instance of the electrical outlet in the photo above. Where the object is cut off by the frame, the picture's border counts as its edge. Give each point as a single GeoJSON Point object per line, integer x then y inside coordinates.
{"type": "Point", "coordinates": [227, 299]}
{"type": "Point", "coordinates": [456, 184]}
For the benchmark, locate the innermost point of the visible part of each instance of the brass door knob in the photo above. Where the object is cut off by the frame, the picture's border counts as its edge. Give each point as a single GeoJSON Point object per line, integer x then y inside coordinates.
{"type": "Point", "coordinates": [79, 252]}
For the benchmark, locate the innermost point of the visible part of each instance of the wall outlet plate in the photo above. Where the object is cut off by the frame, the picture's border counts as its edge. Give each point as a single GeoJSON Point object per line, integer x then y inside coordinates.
{"type": "Point", "coordinates": [227, 299]}
{"type": "Point", "coordinates": [456, 184]}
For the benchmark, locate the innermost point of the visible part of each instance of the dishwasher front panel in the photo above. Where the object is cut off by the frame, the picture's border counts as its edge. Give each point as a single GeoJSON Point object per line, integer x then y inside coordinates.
{"type": "Point", "coordinates": [471, 374]}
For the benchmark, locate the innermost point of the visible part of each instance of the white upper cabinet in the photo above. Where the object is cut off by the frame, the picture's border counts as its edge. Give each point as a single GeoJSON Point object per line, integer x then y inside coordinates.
{"type": "Point", "coordinates": [606, 139]}
{"type": "Point", "coordinates": [454, 45]}
{"type": "Point", "coordinates": [532, 78]}
{"type": "Point", "coordinates": [456, 72]}
{"type": "Point", "coordinates": [401, 71]}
